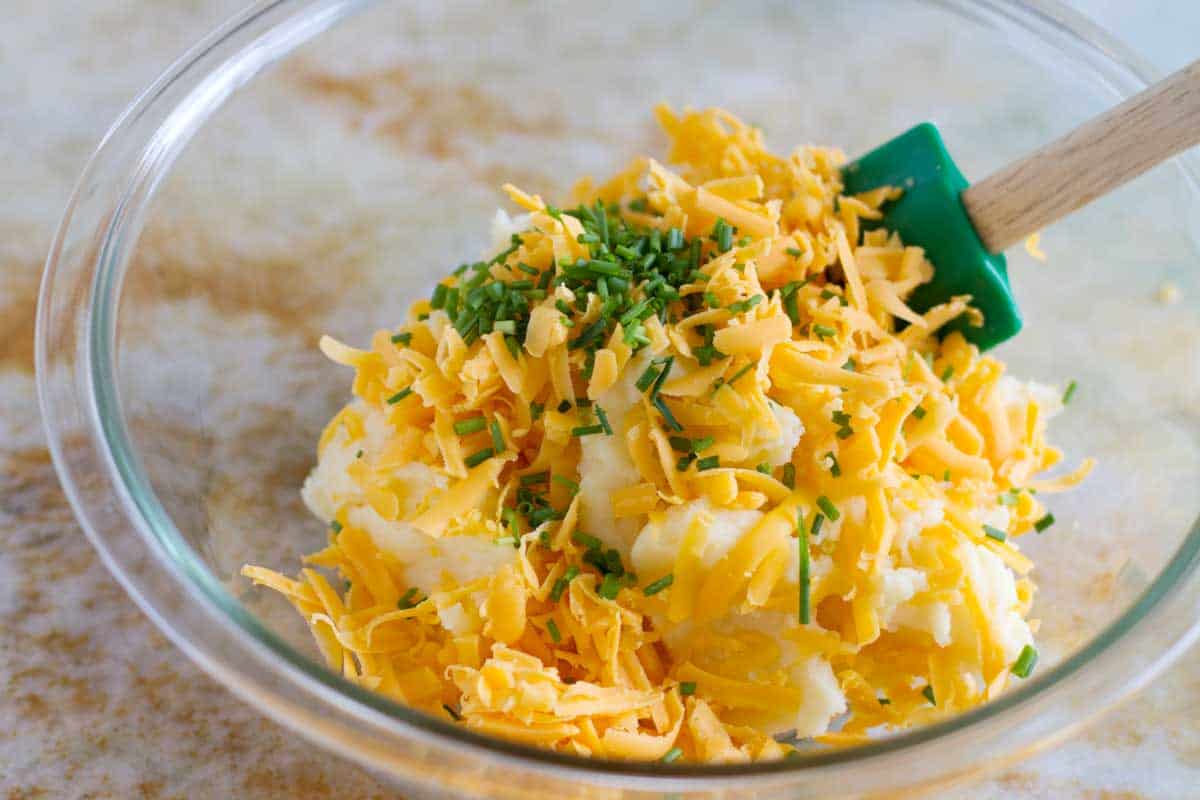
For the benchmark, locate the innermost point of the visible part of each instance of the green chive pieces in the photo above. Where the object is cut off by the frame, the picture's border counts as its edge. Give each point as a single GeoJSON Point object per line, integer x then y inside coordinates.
{"type": "Point", "coordinates": [600, 415]}
{"type": "Point", "coordinates": [587, 430]}
{"type": "Point", "coordinates": [497, 437]}
{"type": "Point", "coordinates": [1069, 393]}
{"type": "Point", "coordinates": [453, 714]}
{"type": "Point", "coordinates": [610, 586]}
{"type": "Point", "coordinates": [1026, 661]}
{"type": "Point", "coordinates": [687, 688]}
{"type": "Point", "coordinates": [552, 629]}
{"type": "Point", "coordinates": [465, 427]}
{"type": "Point", "coordinates": [828, 508]}
{"type": "Point", "coordinates": [789, 475]}
{"type": "Point", "coordinates": [478, 457]}
{"type": "Point", "coordinates": [400, 395]}
{"type": "Point", "coordinates": [802, 541]}
{"type": "Point", "coordinates": [928, 693]}
{"type": "Point", "coordinates": [835, 469]}
{"type": "Point", "coordinates": [995, 533]}
{"type": "Point", "coordinates": [1044, 523]}
{"type": "Point", "coordinates": [712, 462]}
{"type": "Point", "coordinates": [658, 585]}
{"type": "Point", "coordinates": [560, 585]}
{"type": "Point", "coordinates": [335, 526]}
{"type": "Point", "coordinates": [571, 485]}
{"type": "Point", "coordinates": [675, 753]}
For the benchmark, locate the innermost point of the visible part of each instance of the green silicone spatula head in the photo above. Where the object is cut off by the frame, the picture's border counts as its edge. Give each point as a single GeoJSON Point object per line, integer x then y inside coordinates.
{"type": "Point", "coordinates": [930, 215]}
{"type": "Point", "coordinates": [964, 228]}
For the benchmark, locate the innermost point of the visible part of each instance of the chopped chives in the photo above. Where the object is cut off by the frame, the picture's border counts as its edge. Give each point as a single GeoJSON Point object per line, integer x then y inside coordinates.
{"type": "Point", "coordinates": [818, 521]}
{"type": "Point", "coordinates": [478, 457]}
{"type": "Point", "coordinates": [835, 469]}
{"type": "Point", "coordinates": [883, 701]}
{"type": "Point", "coordinates": [830, 510]}
{"type": "Point", "coordinates": [1026, 661]}
{"type": "Point", "coordinates": [464, 427]}
{"type": "Point", "coordinates": [528, 270]}
{"type": "Point", "coordinates": [588, 541]}
{"type": "Point", "coordinates": [995, 533]}
{"type": "Point", "coordinates": [919, 412]}
{"type": "Point", "coordinates": [564, 406]}
{"type": "Point", "coordinates": [610, 586]}
{"type": "Point", "coordinates": [789, 476]}
{"type": "Point", "coordinates": [505, 326]}
{"type": "Point", "coordinates": [802, 540]}
{"type": "Point", "coordinates": [711, 462]}
{"type": "Point", "coordinates": [587, 430]}
{"type": "Point", "coordinates": [1043, 523]}
{"type": "Point", "coordinates": [409, 599]}
{"type": "Point", "coordinates": [687, 688]}
{"type": "Point", "coordinates": [658, 585]}
{"type": "Point", "coordinates": [335, 526]}
{"type": "Point", "coordinates": [439, 296]}
{"type": "Point", "coordinates": [851, 365]}
{"type": "Point", "coordinates": [928, 693]}
{"type": "Point", "coordinates": [723, 233]}
{"type": "Point", "coordinates": [402, 338]}
{"type": "Point", "coordinates": [743, 306]}
{"type": "Point", "coordinates": [1069, 393]}
{"type": "Point", "coordinates": [674, 239]}
{"type": "Point", "coordinates": [453, 714]}
{"type": "Point", "coordinates": [662, 376]}
{"type": "Point", "coordinates": [600, 415]}
{"type": "Point", "coordinates": [535, 411]}
{"type": "Point", "coordinates": [946, 373]}
{"type": "Point", "coordinates": [675, 753]}
{"type": "Point", "coordinates": [702, 444]}
{"type": "Point", "coordinates": [497, 437]}
{"type": "Point", "coordinates": [680, 443]}
{"type": "Point", "coordinates": [764, 468]}
{"type": "Point", "coordinates": [560, 585]}
{"type": "Point", "coordinates": [571, 485]}
{"type": "Point", "coordinates": [739, 374]}
{"type": "Point", "coordinates": [647, 379]}
{"type": "Point", "coordinates": [794, 252]}
{"type": "Point", "coordinates": [824, 331]}
{"type": "Point", "coordinates": [535, 478]}
{"type": "Point", "coordinates": [552, 629]}
{"type": "Point", "coordinates": [668, 417]}
{"type": "Point", "coordinates": [400, 395]}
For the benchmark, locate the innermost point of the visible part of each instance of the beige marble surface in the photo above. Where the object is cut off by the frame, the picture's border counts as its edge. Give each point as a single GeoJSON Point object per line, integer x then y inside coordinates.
{"type": "Point", "coordinates": [94, 702]}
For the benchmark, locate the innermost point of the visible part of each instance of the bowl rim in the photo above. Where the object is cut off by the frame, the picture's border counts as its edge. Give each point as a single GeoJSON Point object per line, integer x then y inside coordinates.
{"type": "Point", "coordinates": [198, 83]}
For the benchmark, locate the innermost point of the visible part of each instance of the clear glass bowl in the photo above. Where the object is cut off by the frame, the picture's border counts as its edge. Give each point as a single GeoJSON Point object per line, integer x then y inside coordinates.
{"type": "Point", "coordinates": [315, 163]}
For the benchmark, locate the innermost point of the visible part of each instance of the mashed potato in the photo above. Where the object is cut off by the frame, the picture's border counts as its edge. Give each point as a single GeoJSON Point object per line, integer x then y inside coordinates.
{"type": "Point", "coordinates": [664, 476]}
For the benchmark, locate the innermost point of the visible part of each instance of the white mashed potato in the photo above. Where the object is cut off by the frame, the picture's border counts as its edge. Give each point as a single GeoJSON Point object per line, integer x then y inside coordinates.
{"type": "Point", "coordinates": [429, 564]}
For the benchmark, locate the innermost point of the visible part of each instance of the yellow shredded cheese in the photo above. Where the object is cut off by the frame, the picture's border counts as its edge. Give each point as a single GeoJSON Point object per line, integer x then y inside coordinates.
{"type": "Point", "coordinates": [565, 502]}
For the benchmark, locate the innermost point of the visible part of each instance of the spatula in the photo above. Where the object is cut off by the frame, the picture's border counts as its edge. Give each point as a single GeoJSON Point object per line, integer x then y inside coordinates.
{"type": "Point", "coordinates": [964, 228]}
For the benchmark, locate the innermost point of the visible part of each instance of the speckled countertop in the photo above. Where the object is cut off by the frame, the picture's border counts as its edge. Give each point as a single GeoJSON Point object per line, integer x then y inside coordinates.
{"type": "Point", "coordinates": [94, 702]}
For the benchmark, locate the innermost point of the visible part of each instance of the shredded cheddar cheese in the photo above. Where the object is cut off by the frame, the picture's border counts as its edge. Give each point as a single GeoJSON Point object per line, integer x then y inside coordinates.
{"type": "Point", "coordinates": [567, 501]}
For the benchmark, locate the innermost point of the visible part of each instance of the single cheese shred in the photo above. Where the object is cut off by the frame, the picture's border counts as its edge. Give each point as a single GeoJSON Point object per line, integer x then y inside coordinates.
{"type": "Point", "coordinates": [677, 474]}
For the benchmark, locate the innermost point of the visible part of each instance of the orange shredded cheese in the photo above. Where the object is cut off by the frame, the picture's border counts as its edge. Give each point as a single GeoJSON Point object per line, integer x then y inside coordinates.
{"type": "Point", "coordinates": [579, 527]}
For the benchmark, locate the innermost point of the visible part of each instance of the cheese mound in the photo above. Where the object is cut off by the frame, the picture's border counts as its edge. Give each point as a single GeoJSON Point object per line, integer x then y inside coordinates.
{"type": "Point", "coordinates": [678, 474]}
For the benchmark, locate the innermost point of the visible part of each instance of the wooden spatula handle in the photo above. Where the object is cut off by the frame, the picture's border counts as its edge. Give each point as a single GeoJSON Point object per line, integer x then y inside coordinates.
{"type": "Point", "coordinates": [1095, 158]}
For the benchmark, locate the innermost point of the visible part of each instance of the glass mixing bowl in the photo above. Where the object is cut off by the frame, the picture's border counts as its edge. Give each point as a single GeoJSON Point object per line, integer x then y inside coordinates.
{"type": "Point", "coordinates": [314, 164]}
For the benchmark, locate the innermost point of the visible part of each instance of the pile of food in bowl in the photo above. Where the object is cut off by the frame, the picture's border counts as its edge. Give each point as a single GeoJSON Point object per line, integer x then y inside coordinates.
{"type": "Point", "coordinates": [676, 473]}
